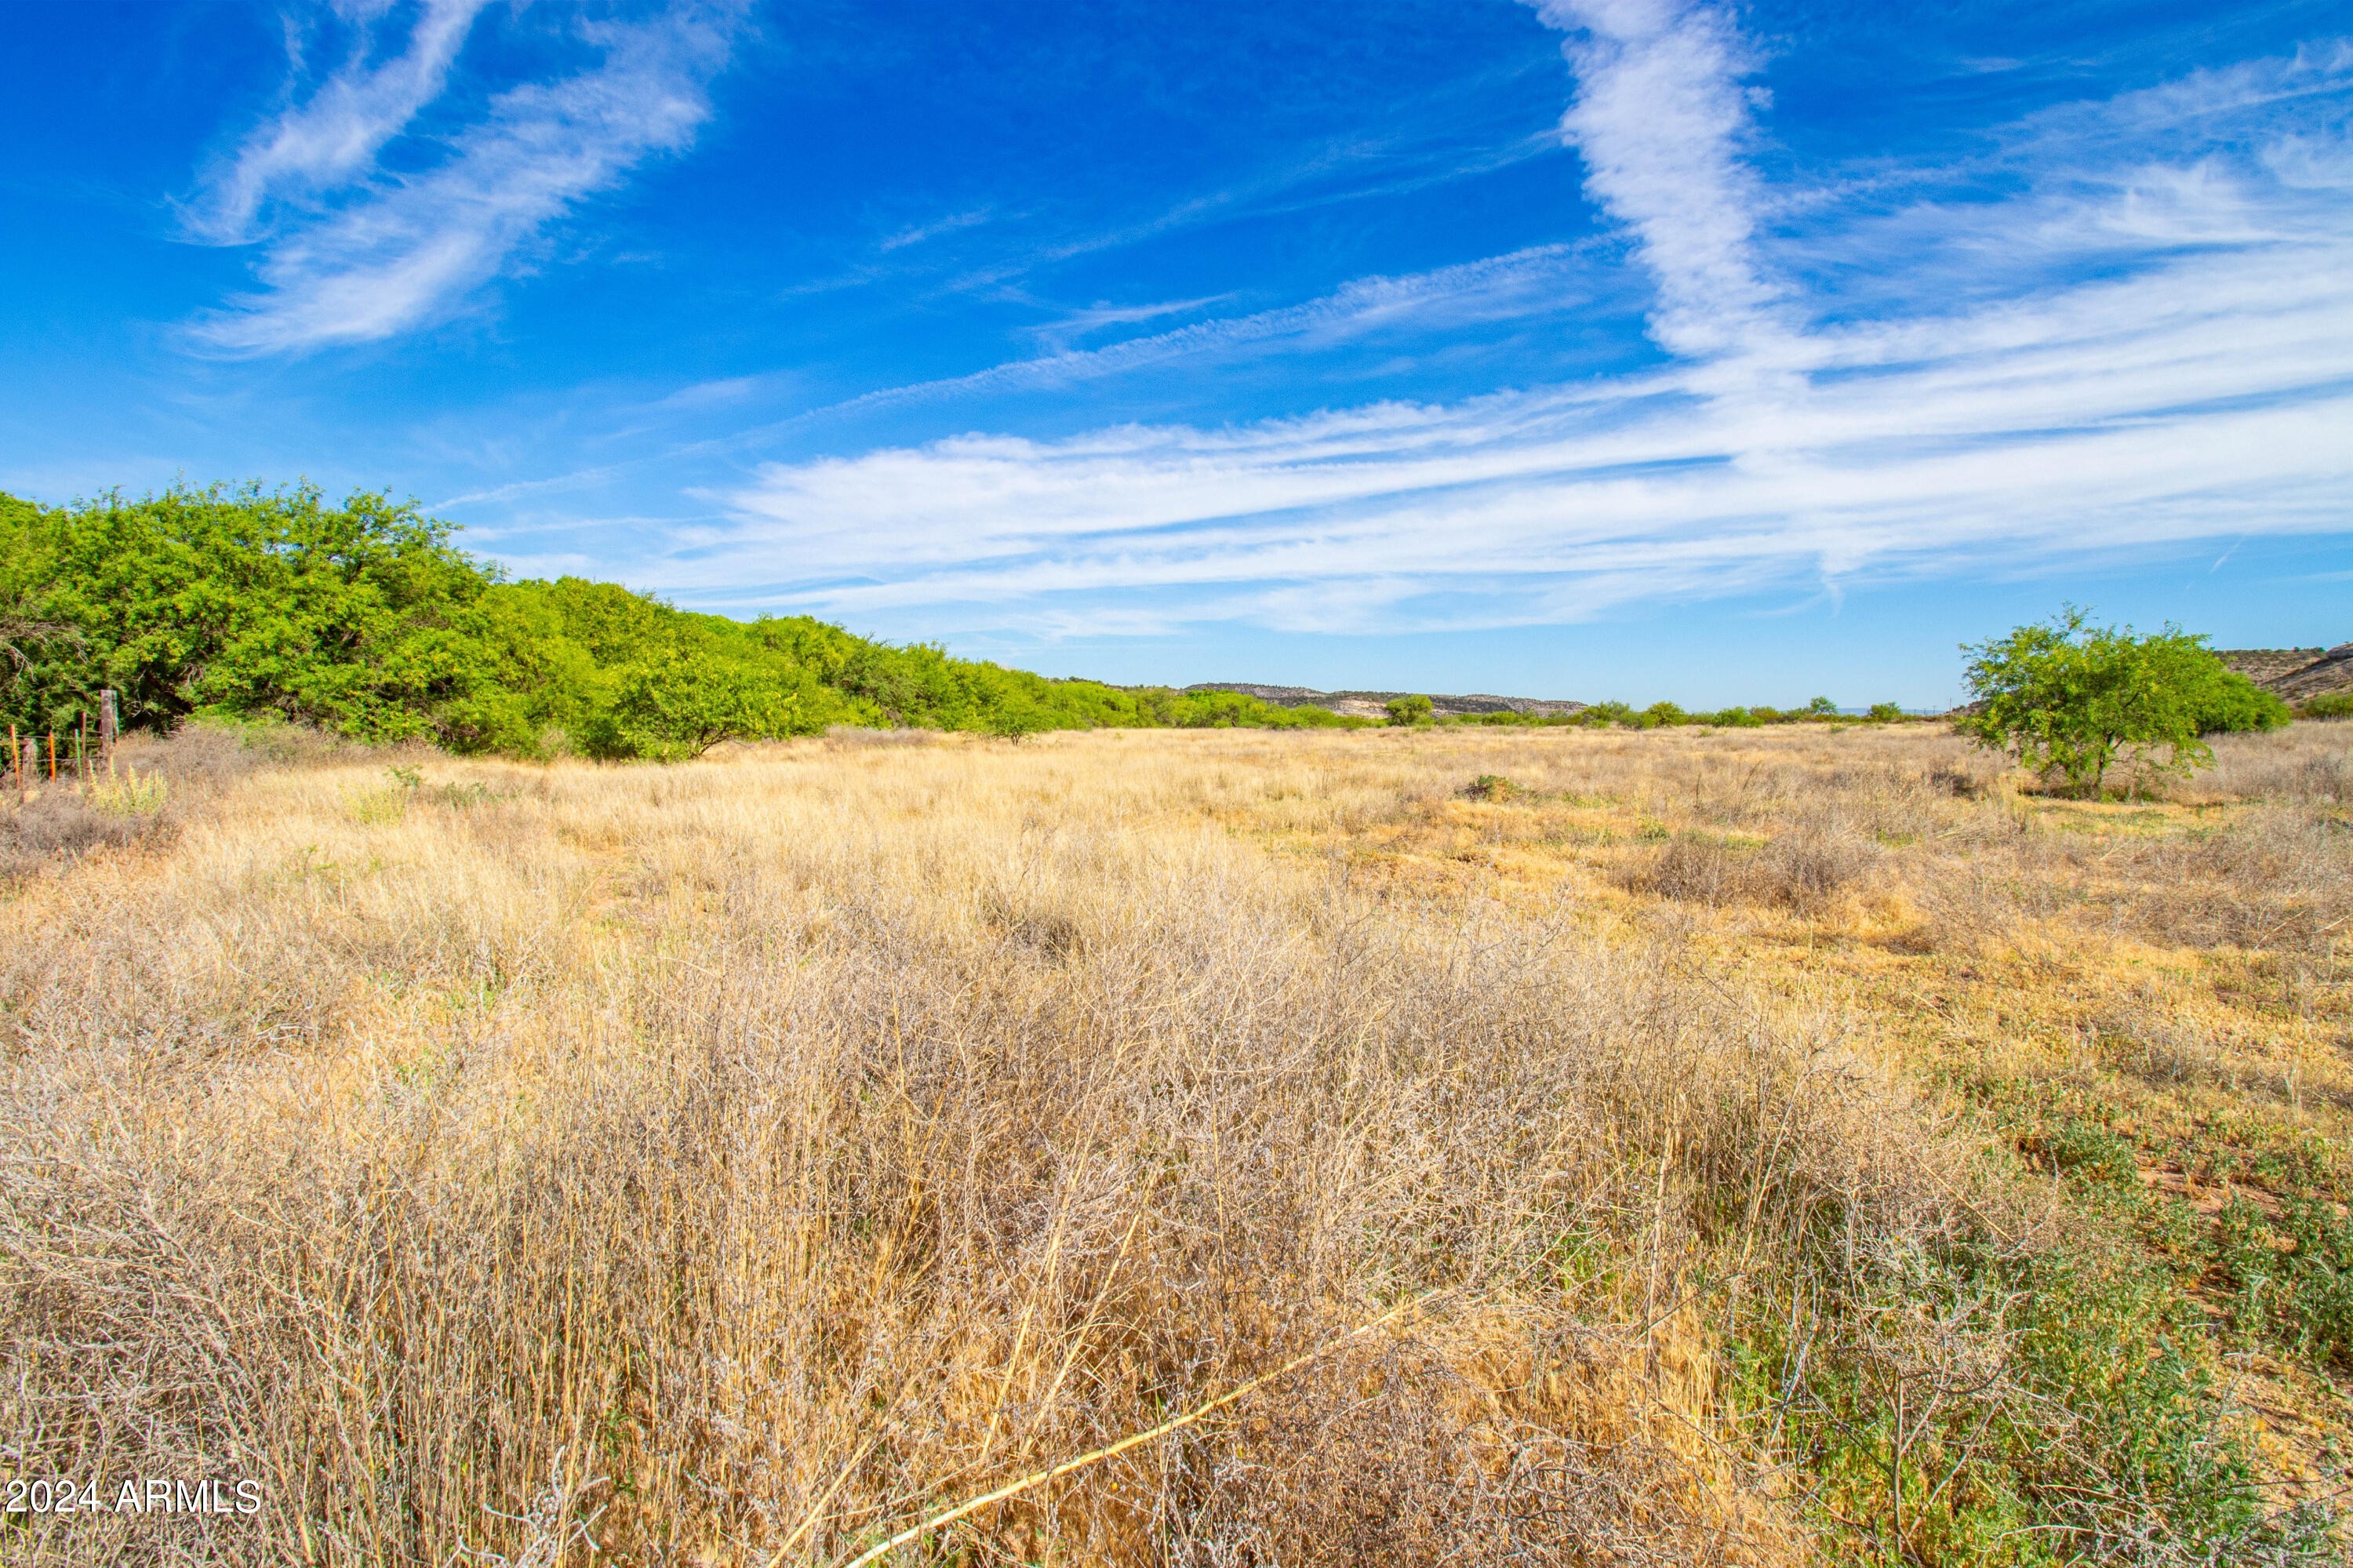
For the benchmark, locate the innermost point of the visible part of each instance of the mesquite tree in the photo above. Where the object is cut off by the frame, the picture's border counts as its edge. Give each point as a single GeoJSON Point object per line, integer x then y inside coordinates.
{"type": "Point", "coordinates": [2074, 701]}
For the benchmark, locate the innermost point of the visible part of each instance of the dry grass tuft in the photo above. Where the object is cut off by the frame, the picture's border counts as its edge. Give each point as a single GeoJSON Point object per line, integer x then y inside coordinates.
{"type": "Point", "coordinates": [60, 825]}
{"type": "Point", "coordinates": [1805, 869]}
{"type": "Point", "coordinates": [1694, 870]}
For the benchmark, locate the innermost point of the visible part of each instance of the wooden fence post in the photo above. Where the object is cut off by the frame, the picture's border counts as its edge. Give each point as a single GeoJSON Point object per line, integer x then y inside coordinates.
{"type": "Point", "coordinates": [16, 761]}
{"type": "Point", "coordinates": [53, 757]}
{"type": "Point", "coordinates": [110, 723]}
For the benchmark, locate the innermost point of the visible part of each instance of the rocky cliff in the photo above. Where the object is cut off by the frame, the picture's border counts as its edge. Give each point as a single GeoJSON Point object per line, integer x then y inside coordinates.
{"type": "Point", "coordinates": [2297, 675]}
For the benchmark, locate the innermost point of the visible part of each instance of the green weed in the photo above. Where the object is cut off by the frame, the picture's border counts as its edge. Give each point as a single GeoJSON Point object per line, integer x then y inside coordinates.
{"type": "Point", "coordinates": [130, 795]}
{"type": "Point", "coordinates": [2289, 1276]}
{"type": "Point", "coordinates": [1969, 1405]}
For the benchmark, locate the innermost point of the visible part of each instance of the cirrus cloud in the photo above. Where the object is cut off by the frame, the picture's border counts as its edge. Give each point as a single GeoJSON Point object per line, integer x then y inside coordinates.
{"type": "Point", "coordinates": [355, 251]}
{"type": "Point", "coordinates": [2154, 345]}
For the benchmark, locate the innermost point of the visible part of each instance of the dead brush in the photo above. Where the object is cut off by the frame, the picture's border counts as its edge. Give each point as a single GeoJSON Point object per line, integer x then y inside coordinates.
{"type": "Point", "coordinates": [1693, 869]}
{"type": "Point", "coordinates": [2312, 763]}
{"type": "Point", "coordinates": [763, 1160]}
{"type": "Point", "coordinates": [1976, 776]}
{"type": "Point", "coordinates": [1967, 910]}
{"type": "Point", "coordinates": [1804, 869]}
{"type": "Point", "coordinates": [58, 825]}
{"type": "Point", "coordinates": [2141, 1032]}
{"type": "Point", "coordinates": [156, 784]}
{"type": "Point", "coordinates": [1809, 867]}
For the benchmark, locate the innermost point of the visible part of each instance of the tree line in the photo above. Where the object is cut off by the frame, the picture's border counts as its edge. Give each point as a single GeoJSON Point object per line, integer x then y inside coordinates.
{"type": "Point", "coordinates": [367, 620]}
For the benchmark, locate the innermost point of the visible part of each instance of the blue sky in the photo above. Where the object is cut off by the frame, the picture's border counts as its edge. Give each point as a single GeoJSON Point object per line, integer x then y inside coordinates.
{"type": "Point", "coordinates": [1580, 348]}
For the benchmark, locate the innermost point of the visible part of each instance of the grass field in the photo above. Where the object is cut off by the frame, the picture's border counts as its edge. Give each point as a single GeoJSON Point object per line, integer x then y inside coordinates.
{"type": "Point", "coordinates": [1771, 1146]}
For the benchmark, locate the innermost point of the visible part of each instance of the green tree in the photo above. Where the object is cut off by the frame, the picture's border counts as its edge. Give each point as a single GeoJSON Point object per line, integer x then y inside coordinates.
{"type": "Point", "coordinates": [682, 704]}
{"type": "Point", "coordinates": [1885, 713]}
{"type": "Point", "coordinates": [361, 618]}
{"type": "Point", "coordinates": [1015, 716]}
{"type": "Point", "coordinates": [2072, 701]}
{"type": "Point", "coordinates": [1405, 712]}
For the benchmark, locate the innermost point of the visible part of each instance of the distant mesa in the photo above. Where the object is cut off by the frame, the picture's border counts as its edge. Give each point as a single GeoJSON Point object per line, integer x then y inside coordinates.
{"type": "Point", "coordinates": [1375, 704]}
{"type": "Point", "coordinates": [2295, 675]}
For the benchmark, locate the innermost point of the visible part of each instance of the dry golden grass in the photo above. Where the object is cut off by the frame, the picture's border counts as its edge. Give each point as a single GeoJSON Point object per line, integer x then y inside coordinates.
{"type": "Point", "coordinates": [2174, 969]}
{"type": "Point", "coordinates": [2205, 931]}
{"type": "Point", "coordinates": [743, 1162]}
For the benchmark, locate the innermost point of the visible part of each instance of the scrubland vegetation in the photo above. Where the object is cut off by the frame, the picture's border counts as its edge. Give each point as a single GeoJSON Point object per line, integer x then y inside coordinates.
{"type": "Point", "coordinates": [367, 620]}
{"type": "Point", "coordinates": [1807, 1144]}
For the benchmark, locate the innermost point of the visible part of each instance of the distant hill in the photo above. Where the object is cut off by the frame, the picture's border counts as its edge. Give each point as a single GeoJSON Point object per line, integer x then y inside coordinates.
{"type": "Point", "coordinates": [1373, 705]}
{"type": "Point", "coordinates": [2295, 675]}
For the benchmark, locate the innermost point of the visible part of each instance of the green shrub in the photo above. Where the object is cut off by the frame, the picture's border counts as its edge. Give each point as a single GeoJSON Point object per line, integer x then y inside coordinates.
{"type": "Point", "coordinates": [682, 704]}
{"type": "Point", "coordinates": [1405, 712]}
{"type": "Point", "coordinates": [2335, 706]}
{"type": "Point", "coordinates": [361, 619]}
{"type": "Point", "coordinates": [2232, 703]}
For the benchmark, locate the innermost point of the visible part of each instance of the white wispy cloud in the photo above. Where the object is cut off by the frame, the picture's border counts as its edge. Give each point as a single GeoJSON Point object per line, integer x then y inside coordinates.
{"type": "Point", "coordinates": [1509, 288]}
{"type": "Point", "coordinates": [2164, 355]}
{"type": "Point", "coordinates": [1102, 316]}
{"type": "Point", "coordinates": [337, 132]}
{"type": "Point", "coordinates": [359, 253]}
{"type": "Point", "coordinates": [1497, 288]}
{"type": "Point", "coordinates": [2072, 426]}
{"type": "Point", "coordinates": [921, 232]}
{"type": "Point", "coordinates": [1662, 120]}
